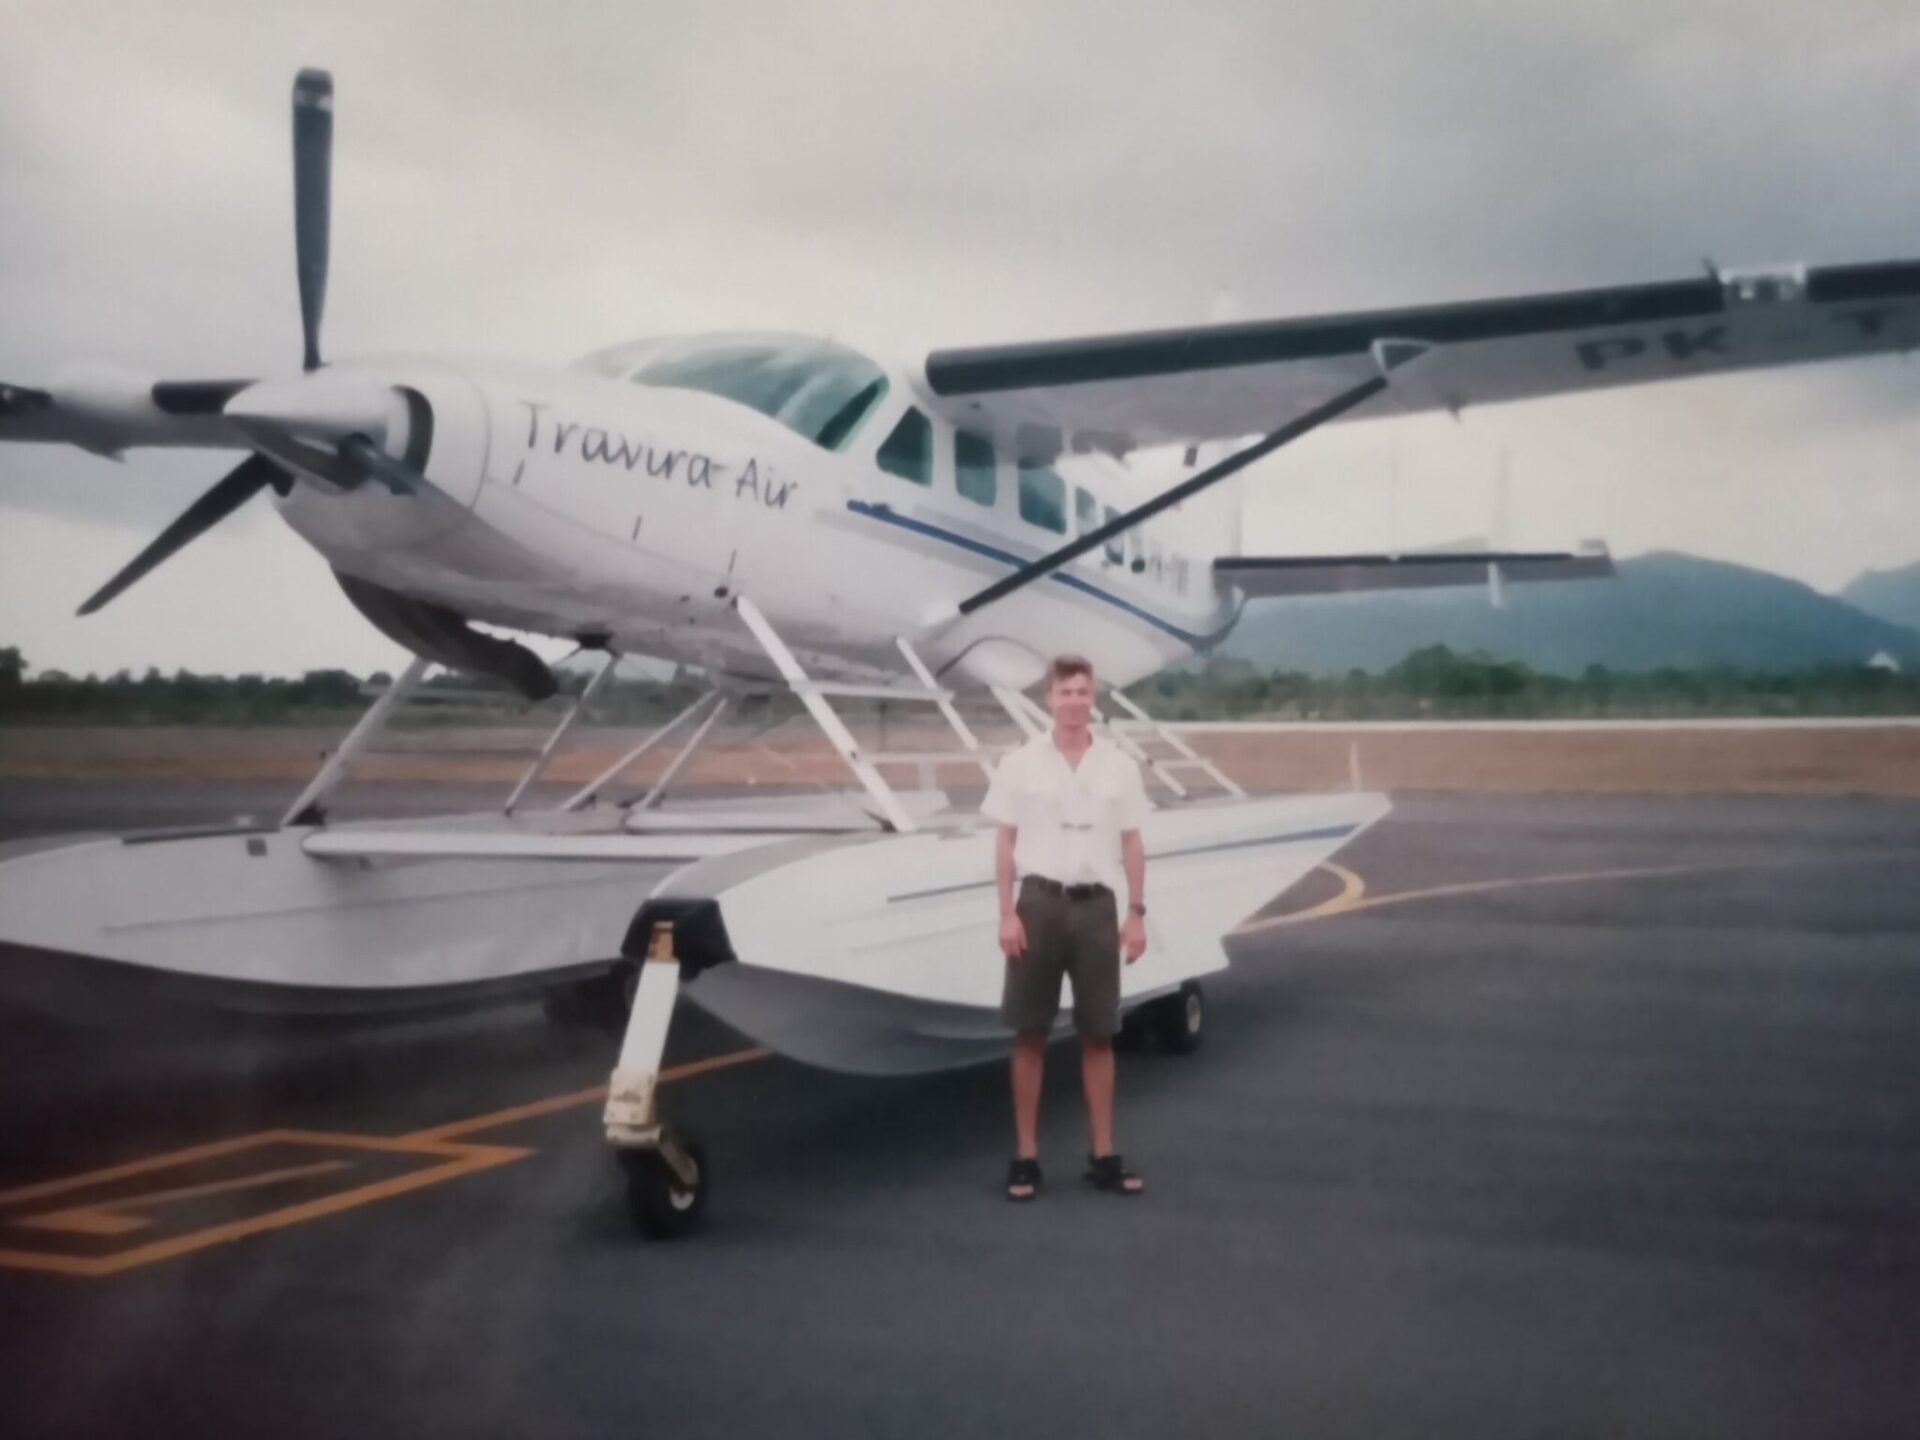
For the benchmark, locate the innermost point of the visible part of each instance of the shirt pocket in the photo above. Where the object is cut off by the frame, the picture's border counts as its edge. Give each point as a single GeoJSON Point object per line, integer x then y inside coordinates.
{"type": "Point", "coordinates": [1040, 802]}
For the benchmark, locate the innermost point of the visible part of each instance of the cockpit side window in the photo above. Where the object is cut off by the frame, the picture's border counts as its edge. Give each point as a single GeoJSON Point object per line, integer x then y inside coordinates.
{"type": "Point", "coordinates": [908, 451]}
{"type": "Point", "coordinates": [973, 473]}
{"type": "Point", "coordinates": [1116, 546]}
{"type": "Point", "coordinates": [1043, 498]}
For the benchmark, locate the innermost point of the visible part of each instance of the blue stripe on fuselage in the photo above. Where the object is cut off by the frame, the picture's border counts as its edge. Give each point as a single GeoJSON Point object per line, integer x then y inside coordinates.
{"type": "Point", "coordinates": [992, 552]}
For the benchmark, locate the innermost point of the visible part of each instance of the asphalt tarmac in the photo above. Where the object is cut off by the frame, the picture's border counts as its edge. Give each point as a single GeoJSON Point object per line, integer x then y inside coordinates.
{"type": "Point", "coordinates": [1547, 1117]}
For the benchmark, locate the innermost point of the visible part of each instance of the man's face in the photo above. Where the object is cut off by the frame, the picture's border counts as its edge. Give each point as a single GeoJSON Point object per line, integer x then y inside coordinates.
{"type": "Point", "coordinates": [1071, 700]}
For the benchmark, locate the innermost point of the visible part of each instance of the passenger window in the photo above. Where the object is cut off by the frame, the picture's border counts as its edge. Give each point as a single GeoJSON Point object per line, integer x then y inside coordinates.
{"type": "Point", "coordinates": [1086, 512]}
{"type": "Point", "coordinates": [1043, 498]}
{"type": "Point", "coordinates": [1116, 544]}
{"type": "Point", "coordinates": [908, 451]}
{"type": "Point", "coordinates": [973, 467]}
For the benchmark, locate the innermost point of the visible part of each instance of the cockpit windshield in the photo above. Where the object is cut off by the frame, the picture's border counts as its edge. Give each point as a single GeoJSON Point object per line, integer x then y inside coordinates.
{"type": "Point", "coordinates": [815, 388]}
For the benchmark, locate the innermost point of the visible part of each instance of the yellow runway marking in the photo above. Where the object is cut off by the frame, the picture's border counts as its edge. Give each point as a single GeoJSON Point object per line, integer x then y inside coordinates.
{"type": "Point", "coordinates": [109, 1218]}
{"type": "Point", "coordinates": [442, 1147]}
{"type": "Point", "coordinates": [590, 1096]}
{"type": "Point", "coordinates": [1352, 889]}
{"type": "Point", "coordinates": [1352, 898]}
{"type": "Point", "coordinates": [449, 1161]}
{"type": "Point", "coordinates": [1343, 903]}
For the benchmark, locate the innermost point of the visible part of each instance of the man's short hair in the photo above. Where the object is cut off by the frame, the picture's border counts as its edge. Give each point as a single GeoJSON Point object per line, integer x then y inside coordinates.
{"type": "Point", "coordinates": [1065, 667]}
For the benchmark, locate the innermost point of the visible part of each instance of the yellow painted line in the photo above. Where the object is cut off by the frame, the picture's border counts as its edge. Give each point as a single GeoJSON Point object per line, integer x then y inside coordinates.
{"type": "Point", "coordinates": [85, 1222]}
{"type": "Point", "coordinates": [109, 1218]}
{"type": "Point", "coordinates": [442, 1141]}
{"type": "Point", "coordinates": [590, 1096]}
{"type": "Point", "coordinates": [1352, 888]}
{"type": "Point", "coordinates": [457, 1160]}
{"type": "Point", "coordinates": [1340, 905]}
{"type": "Point", "coordinates": [137, 1167]}
{"type": "Point", "coordinates": [453, 1130]}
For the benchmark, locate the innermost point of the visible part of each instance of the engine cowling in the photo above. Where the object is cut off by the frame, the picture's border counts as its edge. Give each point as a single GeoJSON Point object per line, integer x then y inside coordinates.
{"type": "Point", "coordinates": [440, 635]}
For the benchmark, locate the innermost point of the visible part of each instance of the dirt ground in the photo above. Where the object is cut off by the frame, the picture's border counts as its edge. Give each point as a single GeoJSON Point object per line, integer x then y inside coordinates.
{"type": "Point", "coordinates": [1879, 761]}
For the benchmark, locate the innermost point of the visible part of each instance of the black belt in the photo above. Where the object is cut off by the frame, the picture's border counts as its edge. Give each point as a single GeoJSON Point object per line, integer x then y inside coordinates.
{"type": "Point", "coordinates": [1072, 892]}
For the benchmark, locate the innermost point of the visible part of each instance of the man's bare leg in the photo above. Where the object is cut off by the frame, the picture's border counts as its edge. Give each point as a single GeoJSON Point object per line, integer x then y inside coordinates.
{"type": "Point", "coordinates": [1029, 1070]}
{"type": "Point", "coordinates": [1096, 1079]}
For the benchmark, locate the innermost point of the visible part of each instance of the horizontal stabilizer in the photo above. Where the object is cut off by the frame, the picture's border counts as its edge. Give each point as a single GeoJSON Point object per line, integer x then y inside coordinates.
{"type": "Point", "coordinates": [1266, 575]}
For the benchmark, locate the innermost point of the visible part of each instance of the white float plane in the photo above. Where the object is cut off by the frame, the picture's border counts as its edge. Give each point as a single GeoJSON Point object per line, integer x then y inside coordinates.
{"type": "Point", "coordinates": [788, 515]}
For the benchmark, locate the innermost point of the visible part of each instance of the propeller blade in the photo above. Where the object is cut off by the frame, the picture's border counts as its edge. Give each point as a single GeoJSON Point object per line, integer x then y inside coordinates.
{"type": "Point", "coordinates": [312, 186]}
{"type": "Point", "coordinates": [240, 485]}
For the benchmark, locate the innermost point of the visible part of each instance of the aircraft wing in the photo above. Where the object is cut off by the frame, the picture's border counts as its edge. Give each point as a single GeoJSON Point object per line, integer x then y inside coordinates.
{"type": "Point", "coordinates": [107, 410]}
{"type": "Point", "coordinates": [1222, 382]}
{"type": "Point", "coordinates": [1260, 576]}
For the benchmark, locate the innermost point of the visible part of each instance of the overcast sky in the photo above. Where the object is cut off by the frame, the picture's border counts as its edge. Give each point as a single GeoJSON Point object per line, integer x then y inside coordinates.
{"type": "Point", "coordinates": [537, 181]}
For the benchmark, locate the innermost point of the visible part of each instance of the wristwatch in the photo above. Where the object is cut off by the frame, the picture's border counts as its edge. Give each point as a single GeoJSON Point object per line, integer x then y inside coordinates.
{"type": "Point", "coordinates": [1136, 908]}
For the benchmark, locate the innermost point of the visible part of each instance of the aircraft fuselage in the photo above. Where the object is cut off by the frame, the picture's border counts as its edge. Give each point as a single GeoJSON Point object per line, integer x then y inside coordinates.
{"type": "Point", "coordinates": [574, 504]}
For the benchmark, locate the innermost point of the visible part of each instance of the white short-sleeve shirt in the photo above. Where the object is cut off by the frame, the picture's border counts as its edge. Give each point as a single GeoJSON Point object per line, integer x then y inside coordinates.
{"type": "Point", "coordinates": [1070, 819]}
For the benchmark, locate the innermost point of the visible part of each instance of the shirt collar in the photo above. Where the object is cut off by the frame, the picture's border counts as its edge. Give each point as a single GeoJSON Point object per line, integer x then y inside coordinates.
{"type": "Point", "coordinates": [1096, 743]}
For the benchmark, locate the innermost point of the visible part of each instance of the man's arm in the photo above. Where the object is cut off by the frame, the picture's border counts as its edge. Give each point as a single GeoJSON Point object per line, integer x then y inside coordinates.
{"type": "Point", "coordinates": [1013, 934]}
{"type": "Point", "coordinates": [1133, 932]}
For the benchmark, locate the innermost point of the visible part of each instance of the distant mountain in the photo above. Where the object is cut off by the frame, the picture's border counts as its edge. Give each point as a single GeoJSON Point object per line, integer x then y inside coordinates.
{"type": "Point", "coordinates": [1661, 609]}
{"type": "Point", "coordinates": [1892, 595]}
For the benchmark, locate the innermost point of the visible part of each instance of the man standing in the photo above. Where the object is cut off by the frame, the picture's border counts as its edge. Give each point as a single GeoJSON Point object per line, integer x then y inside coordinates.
{"type": "Point", "coordinates": [1069, 806]}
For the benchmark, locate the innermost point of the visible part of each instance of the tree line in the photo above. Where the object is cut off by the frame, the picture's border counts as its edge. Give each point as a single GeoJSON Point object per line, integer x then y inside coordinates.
{"type": "Point", "coordinates": [1431, 683]}
{"type": "Point", "coordinates": [317, 697]}
{"type": "Point", "coordinates": [1436, 683]}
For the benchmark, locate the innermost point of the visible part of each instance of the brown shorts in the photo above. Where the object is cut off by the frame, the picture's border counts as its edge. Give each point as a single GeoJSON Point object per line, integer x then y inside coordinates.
{"type": "Point", "coordinates": [1076, 938]}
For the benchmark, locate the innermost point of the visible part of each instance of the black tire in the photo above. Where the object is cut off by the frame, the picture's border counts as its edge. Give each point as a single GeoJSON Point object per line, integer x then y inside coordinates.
{"type": "Point", "coordinates": [660, 1206]}
{"type": "Point", "coordinates": [1179, 1021]}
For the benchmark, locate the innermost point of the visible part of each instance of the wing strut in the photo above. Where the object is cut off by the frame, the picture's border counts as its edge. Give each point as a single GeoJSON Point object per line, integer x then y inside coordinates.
{"type": "Point", "coordinates": [1388, 356]}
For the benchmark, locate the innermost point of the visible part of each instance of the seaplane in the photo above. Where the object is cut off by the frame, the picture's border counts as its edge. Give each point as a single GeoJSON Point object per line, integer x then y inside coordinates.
{"type": "Point", "coordinates": [788, 516]}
